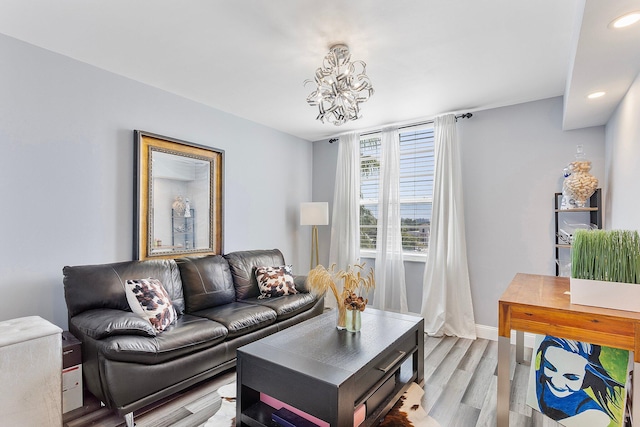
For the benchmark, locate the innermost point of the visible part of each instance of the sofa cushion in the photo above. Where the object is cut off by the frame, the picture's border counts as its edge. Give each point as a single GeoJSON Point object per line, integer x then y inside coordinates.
{"type": "Point", "coordinates": [275, 281]}
{"type": "Point", "coordinates": [90, 287]}
{"type": "Point", "coordinates": [207, 282]}
{"type": "Point", "coordinates": [240, 318]}
{"type": "Point", "coordinates": [243, 264]}
{"type": "Point", "coordinates": [286, 306]}
{"type": "Point", "coordinates": [149, 300]}
{"type": "Point", "coordinates": [301, 283]}
{"type": "Point", "coordinates": [105, 322]}
{"type": "Point", "coordinates": [187, 335]}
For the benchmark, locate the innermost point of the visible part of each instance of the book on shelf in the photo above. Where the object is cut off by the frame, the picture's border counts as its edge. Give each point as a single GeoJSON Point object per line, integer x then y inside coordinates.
{"type": "Point", "coordinates": [359, 413]}
{"type": "Point", "coordinates": [285, 418]}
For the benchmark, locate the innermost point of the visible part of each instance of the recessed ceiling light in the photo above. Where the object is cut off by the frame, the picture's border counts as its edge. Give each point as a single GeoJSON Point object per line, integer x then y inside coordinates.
{"type": "Point", "coordinates": [595, 95]}
{"type": "Point", "coordinates": [626, 20]}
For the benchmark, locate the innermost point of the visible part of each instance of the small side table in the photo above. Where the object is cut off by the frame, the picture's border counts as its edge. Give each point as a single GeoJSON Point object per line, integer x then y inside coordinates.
{"type": "Point", "coordinates": [30, 373]}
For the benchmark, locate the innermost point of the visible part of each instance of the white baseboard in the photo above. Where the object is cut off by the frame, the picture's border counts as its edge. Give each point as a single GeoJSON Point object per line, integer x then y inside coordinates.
{"type": "Point", "coordinates": [491, 333]}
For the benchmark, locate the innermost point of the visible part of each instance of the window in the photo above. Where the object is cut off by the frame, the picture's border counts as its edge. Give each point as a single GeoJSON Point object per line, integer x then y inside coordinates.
{"type": "Point", "coordinates": [416, 189]}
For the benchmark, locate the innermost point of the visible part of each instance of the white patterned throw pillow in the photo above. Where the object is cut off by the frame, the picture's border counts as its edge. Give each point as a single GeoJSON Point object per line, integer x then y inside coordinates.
{"type": "Point", "coordinates": [275, 281]}
{"type": "Point", "coordinates": [149, 300]}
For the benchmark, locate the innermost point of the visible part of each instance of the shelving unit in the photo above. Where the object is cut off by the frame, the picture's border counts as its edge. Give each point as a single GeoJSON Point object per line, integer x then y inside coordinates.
{"type": "Point", "coordinates": [595, 217]}
{"type": "Point", "coordinates": [183, 231]}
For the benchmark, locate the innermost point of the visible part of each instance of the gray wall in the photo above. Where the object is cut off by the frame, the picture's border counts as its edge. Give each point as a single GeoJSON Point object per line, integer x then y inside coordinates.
{"type": "Point", "coordinates": [66, 173]}
{"type": "Point", "coordinates": [66, 179]}
{"type": "Point", "coordinates": [513, 159]}
{"type": "Point", "coordinates": [623, 163]}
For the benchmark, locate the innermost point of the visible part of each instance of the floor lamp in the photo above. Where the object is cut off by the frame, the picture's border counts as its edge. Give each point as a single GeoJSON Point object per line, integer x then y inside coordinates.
{"type": "Point", "coordinates": [314, 213]}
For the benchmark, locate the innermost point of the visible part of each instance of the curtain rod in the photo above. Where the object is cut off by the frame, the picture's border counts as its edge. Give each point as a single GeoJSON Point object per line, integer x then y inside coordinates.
{"type": "Point", "coordinates": [428, 122]}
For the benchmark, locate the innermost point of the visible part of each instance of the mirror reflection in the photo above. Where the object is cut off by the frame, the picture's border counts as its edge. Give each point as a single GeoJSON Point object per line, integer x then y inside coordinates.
{"type": "Point", "coordinates": [179, 198]}
{"type": "Point", "coordinates": [180, 195]}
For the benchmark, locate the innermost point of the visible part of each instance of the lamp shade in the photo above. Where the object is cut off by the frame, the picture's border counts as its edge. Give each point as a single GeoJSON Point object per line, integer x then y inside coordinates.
{"type": "Point", "coordinates": [314, 213]}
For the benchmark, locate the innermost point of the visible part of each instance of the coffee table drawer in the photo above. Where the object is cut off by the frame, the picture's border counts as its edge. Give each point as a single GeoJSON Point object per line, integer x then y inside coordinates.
{"type": "Point", "coordinates": [384, 365]}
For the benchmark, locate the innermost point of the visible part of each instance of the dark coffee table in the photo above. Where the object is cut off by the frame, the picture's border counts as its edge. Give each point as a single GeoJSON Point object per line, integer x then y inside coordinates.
{"type": "Point", "coordinates": [328, 373]}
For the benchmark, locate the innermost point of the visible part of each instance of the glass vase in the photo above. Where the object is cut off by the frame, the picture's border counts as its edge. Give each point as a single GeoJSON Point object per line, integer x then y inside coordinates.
{"type": "Point", "coordinates": [354, 320]}
{"type": "Point", "coordinates": [578, 184]}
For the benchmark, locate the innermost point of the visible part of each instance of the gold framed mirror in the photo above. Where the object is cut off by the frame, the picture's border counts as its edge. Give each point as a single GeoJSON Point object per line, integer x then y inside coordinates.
{"type": "Point", "coordinates": [178, 197]}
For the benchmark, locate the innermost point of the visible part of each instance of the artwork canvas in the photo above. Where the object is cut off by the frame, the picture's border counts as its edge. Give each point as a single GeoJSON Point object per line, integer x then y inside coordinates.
{"type": "Point", "coordinates": [577, 383]}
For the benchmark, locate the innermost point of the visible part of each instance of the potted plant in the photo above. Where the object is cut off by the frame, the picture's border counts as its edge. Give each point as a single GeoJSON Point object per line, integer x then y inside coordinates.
{"type": "Point", "coordinates": [351, 300]}
{"type": "Point", "coordinates": [605, 266]}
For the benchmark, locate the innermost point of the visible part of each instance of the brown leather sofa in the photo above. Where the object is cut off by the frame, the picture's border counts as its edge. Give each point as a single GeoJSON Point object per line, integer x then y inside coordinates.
{"type": "Point", "coordinates": [127, 365]}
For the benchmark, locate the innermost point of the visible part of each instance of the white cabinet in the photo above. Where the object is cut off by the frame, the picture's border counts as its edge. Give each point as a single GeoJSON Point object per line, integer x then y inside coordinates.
{"type": "Point", "coordinates": [30, 372]}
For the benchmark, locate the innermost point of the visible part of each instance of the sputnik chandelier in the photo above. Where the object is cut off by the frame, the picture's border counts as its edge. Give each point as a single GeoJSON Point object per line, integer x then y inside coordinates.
{"type": "Point", "coordinates": [342, 86]}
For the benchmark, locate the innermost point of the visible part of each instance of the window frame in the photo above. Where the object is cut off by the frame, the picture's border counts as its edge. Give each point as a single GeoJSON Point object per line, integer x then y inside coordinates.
{"type": "Point", "coordinates": [407, 255]}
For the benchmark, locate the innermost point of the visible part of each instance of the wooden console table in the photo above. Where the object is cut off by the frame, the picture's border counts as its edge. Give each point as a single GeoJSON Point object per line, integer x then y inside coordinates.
{"type": "Point", "coordinates": [541, 305]}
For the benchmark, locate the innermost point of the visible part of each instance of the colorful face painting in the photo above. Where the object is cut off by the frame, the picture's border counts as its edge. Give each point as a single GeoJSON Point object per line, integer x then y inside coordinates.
{"type": "Point", "coordinates": [577, 383]}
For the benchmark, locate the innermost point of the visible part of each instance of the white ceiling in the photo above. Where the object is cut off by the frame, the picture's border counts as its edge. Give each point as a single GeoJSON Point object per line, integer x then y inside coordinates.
{"type": "Point", "coordinates": [425, 57]}
{"type": "Point", "coordinates": [605, 60]}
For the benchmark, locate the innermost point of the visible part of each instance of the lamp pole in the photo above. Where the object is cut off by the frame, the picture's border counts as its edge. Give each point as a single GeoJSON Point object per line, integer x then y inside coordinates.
{"type": "Point", "coordinates": [314, 214]}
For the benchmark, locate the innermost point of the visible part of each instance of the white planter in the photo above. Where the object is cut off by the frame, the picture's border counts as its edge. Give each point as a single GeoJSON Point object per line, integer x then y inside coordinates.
{"type": "Point", "coordinates": [597, 293]}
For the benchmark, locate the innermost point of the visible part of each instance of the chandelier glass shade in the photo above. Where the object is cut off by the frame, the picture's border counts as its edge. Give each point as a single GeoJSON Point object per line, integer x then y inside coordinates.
{"type": "Point", "coordinates": [342, 86]}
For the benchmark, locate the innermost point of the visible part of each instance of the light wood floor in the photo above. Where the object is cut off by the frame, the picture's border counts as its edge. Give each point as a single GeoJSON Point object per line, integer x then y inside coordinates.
{"type": "Point", "coordinates": [460, 391]}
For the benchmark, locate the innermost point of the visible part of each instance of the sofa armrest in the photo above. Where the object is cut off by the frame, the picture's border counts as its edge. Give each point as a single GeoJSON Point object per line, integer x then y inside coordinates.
{"type": "Point", "coordinates": [104, 322]}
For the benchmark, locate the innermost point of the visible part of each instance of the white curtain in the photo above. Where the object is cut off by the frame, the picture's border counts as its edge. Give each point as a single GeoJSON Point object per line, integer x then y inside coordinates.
{"type": "Point", "coordinates": [345, 219]}
{"type": "Point", "coordinates": [390, 291]}
{"type": "Point", "coordinates": [446, 302]}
